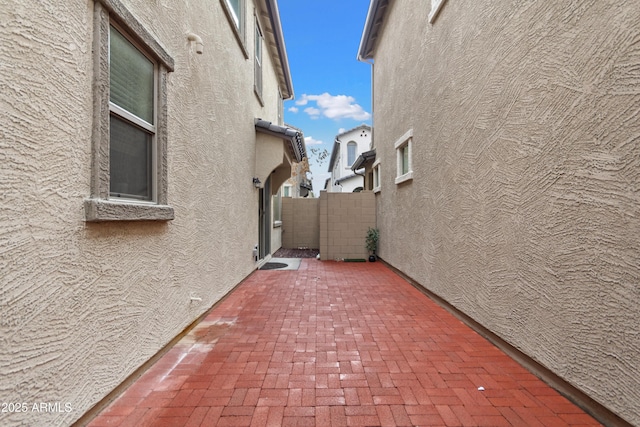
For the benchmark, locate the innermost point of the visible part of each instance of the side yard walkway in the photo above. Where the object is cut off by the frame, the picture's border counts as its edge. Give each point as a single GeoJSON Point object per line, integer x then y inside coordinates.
{"type": "Point", "coordinates": [336, 344]}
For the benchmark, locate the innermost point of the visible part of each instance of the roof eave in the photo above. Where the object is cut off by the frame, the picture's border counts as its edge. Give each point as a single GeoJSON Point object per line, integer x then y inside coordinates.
{"type": "Point", "coordinates": [334, 154]}
{"type": "Point", "coordinates": [363, 125]}
{"type": "Point", "coordinates": [287, 134]}
{"type": "Point", "coordinates": [372, 25]}
{"type": "Point", "coordinates": [364, 159]}
{"type": "Point", "coordinates": [276, 24]}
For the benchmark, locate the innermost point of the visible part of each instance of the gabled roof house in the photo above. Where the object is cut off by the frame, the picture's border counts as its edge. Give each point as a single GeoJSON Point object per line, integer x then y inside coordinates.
{"type": "Point", "coordinates": [347, 146]}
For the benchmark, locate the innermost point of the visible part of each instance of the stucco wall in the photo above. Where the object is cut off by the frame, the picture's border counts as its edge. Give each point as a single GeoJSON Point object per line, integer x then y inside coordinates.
{"type": "Point", "coordinates": [524, 207]}
{"type": "Point", "coordinates": [344, 220]}
{"type": "Point", "coordinates": [300, 223]}
{"type": "Point", "coordinates": [84, 304]}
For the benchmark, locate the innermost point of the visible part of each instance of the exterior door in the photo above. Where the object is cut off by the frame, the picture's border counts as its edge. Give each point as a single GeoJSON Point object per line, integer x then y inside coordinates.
{"type": "Point", "coordinates": [264, 224]}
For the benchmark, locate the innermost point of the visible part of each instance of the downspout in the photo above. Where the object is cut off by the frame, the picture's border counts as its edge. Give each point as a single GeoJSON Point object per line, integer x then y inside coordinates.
{"type": "Point", "coordinates": [373, 127]}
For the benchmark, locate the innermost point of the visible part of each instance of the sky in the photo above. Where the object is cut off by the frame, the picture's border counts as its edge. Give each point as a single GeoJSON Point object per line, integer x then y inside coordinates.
{"type": "Point", "coordinates": [332, 88]}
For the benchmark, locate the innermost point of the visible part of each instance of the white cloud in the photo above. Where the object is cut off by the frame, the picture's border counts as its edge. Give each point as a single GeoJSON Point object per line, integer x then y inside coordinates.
{"type": "Point", "coordinates": [334, 107]}
{"type": "Point", "coordinates": [314, 113]}
{"type": "Point", "coordinates": [341, 130]}
{"type": "Point", "coordinates": [293, 109]}
{"type": "Point", "coordinates": [309, 140]}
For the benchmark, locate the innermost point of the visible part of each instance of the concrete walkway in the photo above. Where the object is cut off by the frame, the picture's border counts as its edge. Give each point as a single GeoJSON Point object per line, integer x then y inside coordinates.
{"type": "Point", "coordinates": [336, 344]}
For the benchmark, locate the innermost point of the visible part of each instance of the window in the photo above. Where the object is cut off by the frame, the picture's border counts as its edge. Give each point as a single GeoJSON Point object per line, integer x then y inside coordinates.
{"type": "Point", "coordinates": [132, 85]}
{"type": "Point", "coordinates": [277, 209]}
{"type": "Point", "coordinates": [129, 171]}
{"type": "Point", "coordinates": [376, 176]}
{"type": "Point", "coordinates": [403, 155]}
{"type": "Point", "coordinates": [286, 191]}
{"type": "Point", "coordinates": [352, 150]}
{"type": "Point", "coordinates": [436, 5]}
{"type": "Point", "coordinates": [258, 61]}
{"type": "Point", "coordinates": [234, 9]}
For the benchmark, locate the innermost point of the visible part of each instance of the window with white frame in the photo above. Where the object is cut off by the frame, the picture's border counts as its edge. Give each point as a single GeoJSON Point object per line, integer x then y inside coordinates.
{"type": "Point", "coordinates": [352, 151]}
{"type": "Point", "coordinates": [436, 5]}
{"type": "Point", "coordinates": [258, 60]}
{"type": "Point", "coordinates": [234, 9]}
{"type": "Point", "coordinates": [129, 165]}
{"type": "Point", "coordinates": [286, 190]}
{"type": "Point", "coordinates": [376, 176]}
{"type": "Point", "coordinates": [403, 148]}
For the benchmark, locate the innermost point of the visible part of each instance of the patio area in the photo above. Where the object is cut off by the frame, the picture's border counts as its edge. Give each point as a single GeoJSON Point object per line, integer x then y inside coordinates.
{"type": "Point", "coordinates": [336, 344]}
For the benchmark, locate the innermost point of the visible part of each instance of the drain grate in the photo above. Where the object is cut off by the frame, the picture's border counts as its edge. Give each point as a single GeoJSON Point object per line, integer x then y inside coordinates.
{"type": "Point", "coordinates": [273, 266]}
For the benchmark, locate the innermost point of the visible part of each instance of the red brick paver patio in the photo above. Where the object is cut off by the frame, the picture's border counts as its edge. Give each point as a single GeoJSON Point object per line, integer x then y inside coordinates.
{"type": "Point", "coordinates": [336, 344]}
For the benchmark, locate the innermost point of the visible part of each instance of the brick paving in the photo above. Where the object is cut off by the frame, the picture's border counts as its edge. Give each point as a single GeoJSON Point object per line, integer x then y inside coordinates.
{"type": "Point", "coordinates": [336, 344]}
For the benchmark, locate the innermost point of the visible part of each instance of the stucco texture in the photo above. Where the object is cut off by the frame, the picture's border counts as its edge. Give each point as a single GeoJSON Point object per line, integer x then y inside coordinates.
{"type": "Point", "coordinates": [524, 208]}
{"type": "Point", "coordinates": [344, 221]}
{"type": "Point", "coordinates": [84, 304]}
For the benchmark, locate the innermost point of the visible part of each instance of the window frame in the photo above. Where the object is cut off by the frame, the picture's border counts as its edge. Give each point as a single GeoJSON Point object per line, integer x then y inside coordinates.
{"type": "Point", "coordinates": [351, 161]}
{"type": "Point", "coordinates": [404, 143]}
{"type": "Point", "coordinates": [101, 206]}
{"type": "Point", "coordinates": [436, 6]}
{"type": "Point", "coordinates": [125, 115]}
{"type": "Point", "coordinates": [258, 59]}
{"type": "Point", "coordinates": [239, 30]}
{"type": "Point", "coordinates": [376, 176]}
{"type": "Point", "coordinates": [276, 206]}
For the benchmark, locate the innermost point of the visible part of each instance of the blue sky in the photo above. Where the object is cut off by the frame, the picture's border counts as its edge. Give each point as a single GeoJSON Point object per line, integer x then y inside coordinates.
{"type": "Point", "coordinates": [332, 88]}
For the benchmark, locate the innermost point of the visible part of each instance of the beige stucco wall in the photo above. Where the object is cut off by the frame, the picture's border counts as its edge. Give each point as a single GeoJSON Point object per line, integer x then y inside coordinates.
{"type": "Point", "coordinates": [300, 223]}
{"type": "Point", "coordinates": [344, 221]}
{"type": "Point", "coordinates": [84, 304]}
{"type": "Point", "coordinates": [524, 207]}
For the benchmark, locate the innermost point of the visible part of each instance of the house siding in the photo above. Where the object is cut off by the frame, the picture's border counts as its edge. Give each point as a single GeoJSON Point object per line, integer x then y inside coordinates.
{"type": "Point", "coordinates": [523, 207]}
{"type": "Point", "coordinates": [83, 305]}
{"type": "Point", "coordinates": [361, 135]}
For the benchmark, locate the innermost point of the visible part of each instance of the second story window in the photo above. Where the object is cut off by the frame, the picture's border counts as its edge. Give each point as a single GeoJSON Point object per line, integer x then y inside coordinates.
{"type": "Point", "coordinates": [436, 5]}
{"type": "Point", "coordinates": [403, 148]}
{"type": "Point", "coordinates": [235, 12]}
{"type": "Point", "coordinates": [235, 8]}
{"type": "Point", "coordinates": [258, 60]}
{"type": "Point", "coordinates": [352, 151]}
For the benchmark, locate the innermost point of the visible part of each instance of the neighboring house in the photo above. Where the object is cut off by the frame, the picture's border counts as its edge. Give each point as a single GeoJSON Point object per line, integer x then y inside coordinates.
{"type": "Point", "coordinates": [299, 185]}
{"type": "Point", "coordinates": [508, 156]}
{"type": "Point", "coordinates": [346, 148]}
{"type": "Point", "coordinates": [141, 145]}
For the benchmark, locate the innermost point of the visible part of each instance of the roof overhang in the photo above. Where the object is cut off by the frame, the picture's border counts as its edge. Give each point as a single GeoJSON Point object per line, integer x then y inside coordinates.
{"type": "Point", "coordinates": [293, 137]}
{"type": "Point", "coordinates": [275, 39]}
{"type": "Point", "coordinates": [334, 154]}
{"type": "Point", "coordinates": [372, 28]}
{"type": "Point", "coordinates": [339, 181]}
{"type": "Point", "coordinates": [364, 160]}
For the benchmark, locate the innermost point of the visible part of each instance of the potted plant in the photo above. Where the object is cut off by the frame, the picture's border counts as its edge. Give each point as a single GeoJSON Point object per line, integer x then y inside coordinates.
{"type": "Point", "coordinates": [373, 235]}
